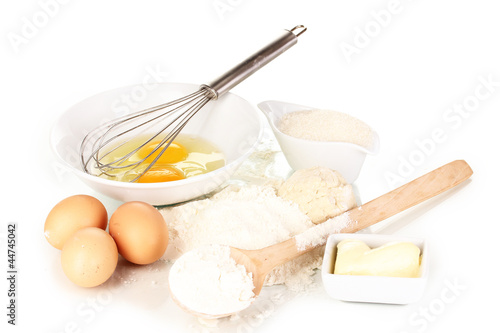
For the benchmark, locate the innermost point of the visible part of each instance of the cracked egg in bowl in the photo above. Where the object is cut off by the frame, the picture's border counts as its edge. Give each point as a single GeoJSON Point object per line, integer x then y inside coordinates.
{"type": "Point", "coordinates": [227, 130]}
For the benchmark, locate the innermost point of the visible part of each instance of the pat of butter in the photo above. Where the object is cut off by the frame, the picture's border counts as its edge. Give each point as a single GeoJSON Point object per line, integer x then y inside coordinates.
{"type": "Point", "coordinates": [394, 259]}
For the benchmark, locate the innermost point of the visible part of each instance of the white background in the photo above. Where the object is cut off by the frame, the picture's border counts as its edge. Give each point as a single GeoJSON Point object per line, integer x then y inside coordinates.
{"type": "Point", "coordinates": [415, 65]}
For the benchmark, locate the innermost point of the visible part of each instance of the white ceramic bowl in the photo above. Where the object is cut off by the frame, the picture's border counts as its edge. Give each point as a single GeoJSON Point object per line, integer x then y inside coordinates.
{"type": "Point", "coordinates": [346, 158]}
{"type": "Point", "coordinates": [373, 289]}
{"type": "Point", "coordinates": [231, 123]}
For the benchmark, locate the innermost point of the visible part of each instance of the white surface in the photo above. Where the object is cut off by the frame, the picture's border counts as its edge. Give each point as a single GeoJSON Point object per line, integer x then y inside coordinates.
{"type": "Point", "coordinates": [373, 289]}
{"type": "Point", "coordinates": [210, 123]}
{"type": "Point", "coordinates": [345, 157]}
{"type": "Point", "coordinates": [432, 57]}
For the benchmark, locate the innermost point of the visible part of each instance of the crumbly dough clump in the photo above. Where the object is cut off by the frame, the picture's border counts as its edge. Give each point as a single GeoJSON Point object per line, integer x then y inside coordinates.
{"type": "Point", "coordinates": [320, 193]}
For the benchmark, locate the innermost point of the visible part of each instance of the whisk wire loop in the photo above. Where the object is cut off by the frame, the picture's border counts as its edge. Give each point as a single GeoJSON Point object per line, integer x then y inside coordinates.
{"type": "Point", "coordinates": [106, 139]}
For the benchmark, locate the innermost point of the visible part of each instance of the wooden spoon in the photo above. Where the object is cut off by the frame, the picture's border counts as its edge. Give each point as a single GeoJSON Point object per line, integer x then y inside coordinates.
{"type": "Point", "coordinates": [261, 262]}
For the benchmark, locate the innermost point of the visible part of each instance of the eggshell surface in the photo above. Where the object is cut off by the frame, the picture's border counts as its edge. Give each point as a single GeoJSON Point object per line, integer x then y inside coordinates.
{"type": "Point", "coordinates": [72, 214]}
{"type": "Point", "coordinates": [140, 232]}
{"type": "Point", "coordinates": [89, 257]}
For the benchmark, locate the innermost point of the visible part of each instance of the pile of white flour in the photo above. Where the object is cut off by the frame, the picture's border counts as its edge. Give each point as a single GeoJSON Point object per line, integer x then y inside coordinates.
{"type": "Point", "coordinates": [250, 217]}
{"type": "Point", "coordinates": [207, 280]}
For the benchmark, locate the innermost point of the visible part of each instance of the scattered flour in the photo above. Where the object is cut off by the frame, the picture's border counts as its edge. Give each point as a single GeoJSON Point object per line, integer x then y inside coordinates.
{"type": "Point", "coordinates": [326, 125]}
{"type": "Point", "coordinates": [251, 217]}
{"type": "Point", "coordinates": [317, 236]}
{"type": "Point", "coordinates": [207, 280]}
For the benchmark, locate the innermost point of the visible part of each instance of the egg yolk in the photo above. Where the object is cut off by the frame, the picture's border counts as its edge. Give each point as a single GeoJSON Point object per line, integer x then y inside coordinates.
{"type": "Point", "coordinates": [174, 153]}
{"type": "Point", "coordinates": [160, 174]}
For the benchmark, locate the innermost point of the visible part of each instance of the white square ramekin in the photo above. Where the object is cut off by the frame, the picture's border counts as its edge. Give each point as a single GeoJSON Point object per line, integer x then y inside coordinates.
{"type": "Point", "coordinates": [373, 289]}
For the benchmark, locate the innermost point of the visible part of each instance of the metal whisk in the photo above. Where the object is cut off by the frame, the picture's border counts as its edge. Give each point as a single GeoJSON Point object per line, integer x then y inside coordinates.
{"type": "Point", "coordinates": [167, 120]}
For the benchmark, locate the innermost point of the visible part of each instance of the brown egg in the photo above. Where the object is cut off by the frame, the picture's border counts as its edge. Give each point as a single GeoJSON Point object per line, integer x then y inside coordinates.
{"type": "Point", "coordinates": [89, 257]}
{"type": "Point", "coordinates": [140, 232]}
{"type": "Point", "coordinates": [72, 214]}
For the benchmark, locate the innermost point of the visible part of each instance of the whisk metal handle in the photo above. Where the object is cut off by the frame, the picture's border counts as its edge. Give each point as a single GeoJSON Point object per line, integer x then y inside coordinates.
{"type": "Point", "coordinates": [253, 63]}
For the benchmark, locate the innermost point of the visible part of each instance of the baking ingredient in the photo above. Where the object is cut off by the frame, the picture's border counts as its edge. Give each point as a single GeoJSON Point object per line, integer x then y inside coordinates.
{"type": "Point", "coordinates": [318, 235]}
{"type": "Point", "coordinates": [321, 193]}
{"type": "Point", "coordinates": [174, 153]}
{"type": "Point", "coordinates": [326, 125]}
{"type": "Point", "coordinates": [89, 257]}
{"type": "Point", "coordinates": [159, 173]}
{"type": "Point", "coordinates": [395, 259]}
{"type": "Point", "coordinates": [187, 156]}
{"type": "Point", "coordinates": [207, 280]}
{"type": "Point", "coordinates": [139, 231]}
{"type": "Point", "coordinates": [249, 217]}
{"type": "Point", "coordinates": [162, 171]}
{"type": "Point", "coordinates": [72, 214]}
